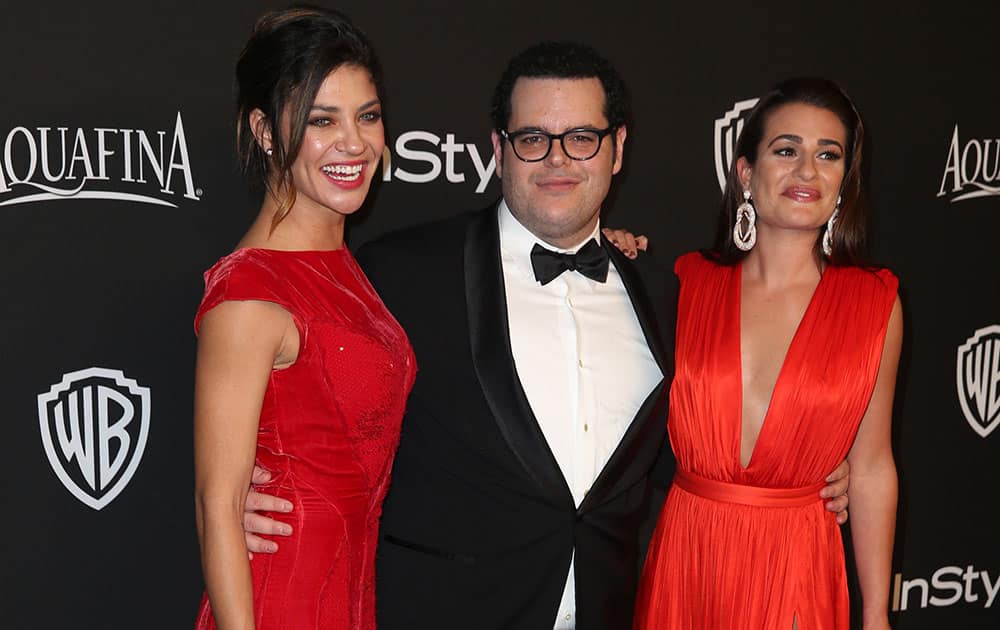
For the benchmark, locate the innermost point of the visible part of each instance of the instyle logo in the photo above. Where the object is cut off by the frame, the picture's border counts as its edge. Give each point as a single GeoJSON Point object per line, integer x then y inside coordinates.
{"type": "Point", "coordinates": [421, 157]}
{"type": "Point", "coordinates": [58, 163]}
{"type": "Point", "coordinates": [972, 169]}
{"type": "Point", "coordinates": [727, 132]}
{"type": "Point", "coordinates": [94, 424]}
{"type": "Point", "coordinates": [947, 586]}
{"type": "Point", "coordinates": [977, 376]}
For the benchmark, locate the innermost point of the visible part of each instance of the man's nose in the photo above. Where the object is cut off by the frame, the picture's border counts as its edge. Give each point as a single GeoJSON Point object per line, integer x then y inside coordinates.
{"type": "Point", "coordinates": [556, 156]}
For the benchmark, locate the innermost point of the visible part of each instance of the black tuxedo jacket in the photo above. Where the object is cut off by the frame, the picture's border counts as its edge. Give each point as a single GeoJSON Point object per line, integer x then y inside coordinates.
{"type": "Point", "coordinates": [479, 525]}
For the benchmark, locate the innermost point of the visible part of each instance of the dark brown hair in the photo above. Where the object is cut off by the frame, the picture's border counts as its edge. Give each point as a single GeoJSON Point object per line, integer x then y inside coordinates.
{"type": "Point", "coordinates": [289, 55]}
{"type": "Point", "coordinates": [850, 229]}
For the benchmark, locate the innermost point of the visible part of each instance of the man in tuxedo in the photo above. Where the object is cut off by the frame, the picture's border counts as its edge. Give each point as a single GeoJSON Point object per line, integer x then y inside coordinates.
{"type": "Point", "coordinates": [523, 471]}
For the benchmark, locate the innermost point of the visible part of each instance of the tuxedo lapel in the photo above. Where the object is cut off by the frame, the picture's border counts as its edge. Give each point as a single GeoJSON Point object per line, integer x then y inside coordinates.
{"type": "Point", "coordinates": [644, 310]}
{"type": "Point", "coordinates": [489, 335]}
{"type": "Point", "coordinates": [645, 434]}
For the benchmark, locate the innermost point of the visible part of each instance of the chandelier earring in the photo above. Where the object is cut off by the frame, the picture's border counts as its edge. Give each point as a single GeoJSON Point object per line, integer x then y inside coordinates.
{"type": "Point", "coordinates": [745, 238]}
{"type": "Point", "coordinates": [828, 236]}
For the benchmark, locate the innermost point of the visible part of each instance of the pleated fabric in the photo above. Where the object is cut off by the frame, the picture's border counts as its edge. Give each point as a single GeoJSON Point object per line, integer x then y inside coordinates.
{"type": "Point", "coordinates": [754, 548]}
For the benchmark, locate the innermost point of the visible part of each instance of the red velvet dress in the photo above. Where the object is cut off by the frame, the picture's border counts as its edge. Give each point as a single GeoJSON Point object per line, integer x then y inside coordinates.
{"type": "Point", "coordinates": [738, 548]}
{"type": "Point", "coordinates": [329, 427]}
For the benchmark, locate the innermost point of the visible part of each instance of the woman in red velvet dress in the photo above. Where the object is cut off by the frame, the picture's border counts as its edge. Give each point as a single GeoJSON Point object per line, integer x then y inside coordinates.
{"type": "Point", "coordinates": [786, 359]}
{"type": "Point", "coordinates": [300, 366]}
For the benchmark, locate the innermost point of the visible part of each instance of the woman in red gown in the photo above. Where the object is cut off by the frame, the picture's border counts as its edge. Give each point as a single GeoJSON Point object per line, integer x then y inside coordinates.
{"type": "Point", "coordinates": [786, 361]}
{"type": "Point", "coordinates": [300, 366]}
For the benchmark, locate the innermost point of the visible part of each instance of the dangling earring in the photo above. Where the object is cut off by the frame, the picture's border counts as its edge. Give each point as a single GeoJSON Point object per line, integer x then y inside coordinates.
{"type": "Point", "coordinates": [745, 239]}
{"type": "Point", "coordinates": [828, 236]}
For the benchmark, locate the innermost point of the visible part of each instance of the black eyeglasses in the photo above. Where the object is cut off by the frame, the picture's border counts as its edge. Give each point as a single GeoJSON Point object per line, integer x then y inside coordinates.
{"type": "Point", "coordinates": [578, 144]}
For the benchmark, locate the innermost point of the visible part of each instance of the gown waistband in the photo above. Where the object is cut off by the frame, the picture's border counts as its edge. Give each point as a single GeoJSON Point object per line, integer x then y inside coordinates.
{"type": "Point", "coordinates": [747, 495]}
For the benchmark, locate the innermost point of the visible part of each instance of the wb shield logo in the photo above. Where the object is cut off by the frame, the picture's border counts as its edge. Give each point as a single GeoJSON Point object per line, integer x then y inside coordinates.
{"type": "Point", "coordinates": [727, 131]}
{"type": "Point", "coordinates": [94, 425]}
{"type": "Point", "coordinates": [979, 379]}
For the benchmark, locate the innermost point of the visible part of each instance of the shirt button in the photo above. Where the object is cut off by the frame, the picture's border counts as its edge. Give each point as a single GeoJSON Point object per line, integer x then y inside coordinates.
{"type": "Point", "coordinates": [585, 427]}
{"type": "Point", "coordinates": [580, 362]}
{"type": "Point", "coordinates": [568, 616]}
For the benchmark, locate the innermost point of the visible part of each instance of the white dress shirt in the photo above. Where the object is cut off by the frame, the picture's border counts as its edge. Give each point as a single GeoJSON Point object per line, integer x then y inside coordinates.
{"type": "Point", "coordinates": [582, 360]}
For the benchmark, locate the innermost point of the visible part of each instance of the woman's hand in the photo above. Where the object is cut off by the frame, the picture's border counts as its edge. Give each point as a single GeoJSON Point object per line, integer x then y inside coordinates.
{"type": "Point", "coordinates": [628, 243]}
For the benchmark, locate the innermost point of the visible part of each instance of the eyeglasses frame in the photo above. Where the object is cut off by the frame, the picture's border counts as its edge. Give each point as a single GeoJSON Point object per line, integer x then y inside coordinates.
{"type": "Point", "coordinates": [601, 133]}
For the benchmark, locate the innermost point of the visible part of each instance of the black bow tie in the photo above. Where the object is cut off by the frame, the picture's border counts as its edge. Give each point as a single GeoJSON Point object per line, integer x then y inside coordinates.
{"type": "Point", "coordinates": [591, 261]}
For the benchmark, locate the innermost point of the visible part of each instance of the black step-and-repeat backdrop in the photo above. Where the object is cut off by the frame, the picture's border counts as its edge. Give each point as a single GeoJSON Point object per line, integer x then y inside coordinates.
{"type": "Point", "coordinates": [118, 187]}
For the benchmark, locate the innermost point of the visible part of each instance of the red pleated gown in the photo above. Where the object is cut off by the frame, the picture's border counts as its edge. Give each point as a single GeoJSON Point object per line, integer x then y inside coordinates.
{"type": "Point", "coordinates": [753, 548]}
{"type": "Point", "coordinates": [328, 432]}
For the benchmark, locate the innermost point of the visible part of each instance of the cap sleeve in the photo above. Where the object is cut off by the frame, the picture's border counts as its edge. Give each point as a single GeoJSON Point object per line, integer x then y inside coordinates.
{"type": "Point", "coordinates": [687, 262]}
{"type": "Point", "coordinates": [243, 275]}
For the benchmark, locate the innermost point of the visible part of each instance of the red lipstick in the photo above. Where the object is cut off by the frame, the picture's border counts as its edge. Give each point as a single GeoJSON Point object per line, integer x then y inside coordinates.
{"type": "Point", "coordinates": [802, 194]}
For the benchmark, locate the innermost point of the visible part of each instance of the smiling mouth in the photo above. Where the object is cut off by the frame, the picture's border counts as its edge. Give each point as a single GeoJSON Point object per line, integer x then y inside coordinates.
{"type": "Point", "coordinates": [558, 183]}
{"type": "Point", "coordinates": [343, 172]}
{"type": "Point", "coordinates": [803, 194]}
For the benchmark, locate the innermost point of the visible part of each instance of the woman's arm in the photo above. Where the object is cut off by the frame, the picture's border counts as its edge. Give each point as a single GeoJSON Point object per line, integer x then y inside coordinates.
{"type": "Point", "coordinates": [239, 344]}
{"type": "Point", "coordinates": [874, 485]}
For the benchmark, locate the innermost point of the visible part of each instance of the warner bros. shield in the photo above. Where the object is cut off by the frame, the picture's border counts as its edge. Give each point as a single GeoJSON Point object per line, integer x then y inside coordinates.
{"type": "Point", "coordinates": [978, 379]}
{"type": "Point", "coordinates": [94, 425]}
{"type": "Point", "coordinates": [727, 132]}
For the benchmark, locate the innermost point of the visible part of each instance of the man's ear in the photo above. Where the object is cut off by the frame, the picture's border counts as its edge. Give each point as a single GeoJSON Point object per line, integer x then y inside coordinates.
{"type": "Point", "coordinates": [497, 141]}
{"type": "Point", "coordinates": [619, 141]}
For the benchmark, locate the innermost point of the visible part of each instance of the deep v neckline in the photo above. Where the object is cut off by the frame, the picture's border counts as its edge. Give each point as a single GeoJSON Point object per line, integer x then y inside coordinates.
{"type": "Point", "coordinates": [810, 307]}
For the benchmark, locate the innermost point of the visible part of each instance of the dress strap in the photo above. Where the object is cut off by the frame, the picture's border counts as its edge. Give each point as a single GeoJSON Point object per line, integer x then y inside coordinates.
{"type": "Point", "coordinates": [747, 495]}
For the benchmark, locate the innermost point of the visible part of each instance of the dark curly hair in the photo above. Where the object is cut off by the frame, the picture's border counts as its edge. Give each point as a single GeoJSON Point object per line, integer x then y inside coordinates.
{"type": "Point", "coordinates": [289, 55]}
{"type": "Point", "coordinates": [561, 60]}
